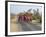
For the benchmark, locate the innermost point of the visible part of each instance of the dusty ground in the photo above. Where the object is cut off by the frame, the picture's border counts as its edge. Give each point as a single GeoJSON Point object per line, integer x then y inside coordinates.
{"type": "Point", "coordinates": [14, 27]}
{"type": "Point", "coordinates": [23, 26]}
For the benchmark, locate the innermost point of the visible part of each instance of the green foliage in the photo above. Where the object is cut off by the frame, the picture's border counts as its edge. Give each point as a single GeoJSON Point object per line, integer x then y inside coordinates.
{"type": "Point", "coordinates": [37, 17]}
{"type": "Point", "coordinates": [34, 17]}
{"type": "Point", "coordinates": [40, 19]}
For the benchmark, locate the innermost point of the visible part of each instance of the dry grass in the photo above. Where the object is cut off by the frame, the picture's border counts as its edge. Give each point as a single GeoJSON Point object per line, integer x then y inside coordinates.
{"type": "Point", "coordinates": [13, 25]}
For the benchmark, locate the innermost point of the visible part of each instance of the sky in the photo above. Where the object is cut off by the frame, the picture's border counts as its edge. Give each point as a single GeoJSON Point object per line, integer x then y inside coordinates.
{"type": "Point", "coordinates": [15, 9]}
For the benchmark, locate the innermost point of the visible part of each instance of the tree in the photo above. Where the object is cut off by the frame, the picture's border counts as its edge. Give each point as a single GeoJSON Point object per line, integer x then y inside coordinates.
{"type": "Point", "coordinates": [37, 13]}
{"type": "Point", "coordinates": [29, 10]}
{"type": "Point", "coordinates": [34, 12]}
